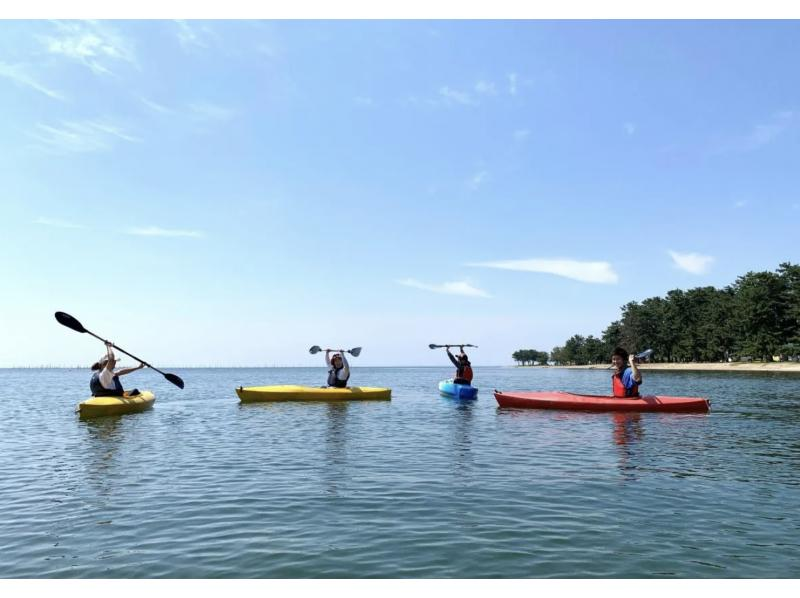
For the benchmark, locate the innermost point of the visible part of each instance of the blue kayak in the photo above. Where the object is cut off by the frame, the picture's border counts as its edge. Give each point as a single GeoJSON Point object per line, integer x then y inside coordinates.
{"type": "Point", "coordinates": [457, 391]}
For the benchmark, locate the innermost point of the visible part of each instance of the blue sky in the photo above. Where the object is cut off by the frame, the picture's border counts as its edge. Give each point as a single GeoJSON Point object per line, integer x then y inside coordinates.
{"type": "Point", "coordinates": [233, 192]}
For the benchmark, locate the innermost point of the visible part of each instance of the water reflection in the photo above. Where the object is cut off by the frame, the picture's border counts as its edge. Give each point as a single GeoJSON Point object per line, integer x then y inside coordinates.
{"type": "Point", "coordinates": [627, 432]}
{"type": "Point", "coordinates": [336, 447]}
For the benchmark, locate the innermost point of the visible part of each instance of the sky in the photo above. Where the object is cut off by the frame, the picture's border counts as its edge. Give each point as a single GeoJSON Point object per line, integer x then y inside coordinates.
{"type": "Point", "coordinates": [229, 193]}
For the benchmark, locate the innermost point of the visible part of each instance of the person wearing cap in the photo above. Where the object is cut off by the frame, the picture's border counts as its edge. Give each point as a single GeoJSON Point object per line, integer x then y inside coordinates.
{"type": "Point", "coordinates": [625, 381]}
{"type": "Point", "coordinates": [105, 381]}
{"type": "Point", "coordinates": [338, 369]}
{"type": "Point", "coordinates": [463, 366]}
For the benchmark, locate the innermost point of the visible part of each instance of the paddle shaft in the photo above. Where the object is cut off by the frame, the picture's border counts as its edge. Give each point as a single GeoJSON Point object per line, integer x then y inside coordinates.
{"type": "Point", "coordinates": [126, 353]}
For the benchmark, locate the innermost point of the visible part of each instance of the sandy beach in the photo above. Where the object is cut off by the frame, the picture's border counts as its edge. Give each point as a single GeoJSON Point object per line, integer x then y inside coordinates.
{"type": "Point", "coordinates": [786, 367]}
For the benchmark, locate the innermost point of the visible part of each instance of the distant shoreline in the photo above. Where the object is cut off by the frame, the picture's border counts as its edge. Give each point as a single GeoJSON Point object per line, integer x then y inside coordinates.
{"type": "Point", "coordinates": [791, 366]}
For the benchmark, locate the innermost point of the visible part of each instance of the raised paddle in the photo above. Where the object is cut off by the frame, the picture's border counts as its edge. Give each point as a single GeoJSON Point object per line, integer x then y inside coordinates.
{"type": "Point", "coordinates": [355, 351]}
{"type": "Point", "coordinates": [432, 346]}
{"type": "Point", "coordinates": [70, 322]}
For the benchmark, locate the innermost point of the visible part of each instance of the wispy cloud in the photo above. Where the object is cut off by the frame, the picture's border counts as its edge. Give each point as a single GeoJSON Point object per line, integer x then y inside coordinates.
{"type": "Point", "coordinates": [692, 262]}
{"type": "Point", "coordinates": [364, 101]}
{"type": "Point", "coordinates": [197, 35]}
{"type": "Point", "coordinates": [155, 106]}
{"type": "Point", "coordinates": [512, 83]}
{"type": "Point", "coordinates": [19, 75]}
{"type": "Point", "coordinates": [593, 272]}
{"type": "Point", "coordinates": [630, 128]}
{"type": "Point", "coordinates": [454, 96]}
{"type": "Point", "coordinates": [740, 204]}
{"type": "Point", "coordinates": [155, 231]}
{"type": "Point", "coordinates": [80, 136]}
{"type": "Point", "coordinates": [477, 179]}
{"type": "Point", "coordinates": [206, 111]}
{"type": "Point", "coordinates": [57, 223]}
{"type": "Point", "coordinates": [521, 134]}
{"type": "Point", "coordinates": [760, 135]}
{"type": "Point", "coordinates": [486, 88]}
{"type": "Point", "coordinates": [446, 288]}
{"type": "Point", "coordinates": [95, 45]}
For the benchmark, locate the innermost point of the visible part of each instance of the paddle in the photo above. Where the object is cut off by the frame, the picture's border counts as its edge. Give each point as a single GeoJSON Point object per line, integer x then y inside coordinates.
{"type": "Point", "coordinates": [70, 322]}
{"type": "Point", "coordinates": [643, 355]}
{"type": "Point", "coordinates": [355, 351]}
{"type": "Point", "coordinates": [432, 346]}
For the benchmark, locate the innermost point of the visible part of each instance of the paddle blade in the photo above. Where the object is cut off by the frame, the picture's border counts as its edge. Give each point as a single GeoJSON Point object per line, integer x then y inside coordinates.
{"type": "Point", "coordinates": [432, 346]}
{"type": "Point", "coordinates": [70, 322]}
{"type": "Point", "coordinates": [644, 354]}
{"type": "Point", "coordinates": [355, 352]}
{"type": "Point", "coordinates": [314, 350]}
{"type": "Point", "coordinates": [174, 379]}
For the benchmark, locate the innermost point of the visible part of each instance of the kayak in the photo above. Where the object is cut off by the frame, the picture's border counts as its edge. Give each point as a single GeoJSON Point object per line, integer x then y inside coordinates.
{"type": "Point", "coordinates": [447, 388]}
{"type": "Point", "coordinates": [568, 400]}
{"type": "Point", "coordinates": [97, 406]}
{"type": "Point", "coordinates": [261, 394]}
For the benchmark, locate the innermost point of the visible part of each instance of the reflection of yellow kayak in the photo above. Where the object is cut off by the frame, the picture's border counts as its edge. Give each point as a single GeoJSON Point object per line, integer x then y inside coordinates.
{"type": "Point", "coordinates": [260, 394]}
{"type": "Point", "coordinates": [97, 406]}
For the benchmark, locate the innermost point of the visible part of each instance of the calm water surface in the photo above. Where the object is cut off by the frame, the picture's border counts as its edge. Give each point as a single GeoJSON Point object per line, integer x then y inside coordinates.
{"type": "Point", "coordinates": [421, 486]}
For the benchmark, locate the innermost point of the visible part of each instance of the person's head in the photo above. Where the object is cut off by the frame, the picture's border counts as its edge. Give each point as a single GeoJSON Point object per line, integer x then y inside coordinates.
{"type": "Point", "coordinates": [619, 357]}
{"type": "Point", "coordinates": [336, 360]}
{"type": "Point", "coordinates": [100, 363]}
{"type": "Point", "coordinates": [463, 358]}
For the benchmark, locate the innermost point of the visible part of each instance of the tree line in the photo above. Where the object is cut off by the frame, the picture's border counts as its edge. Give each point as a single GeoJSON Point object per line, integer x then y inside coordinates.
{"type": "Point", "coordinates": [756, 317]}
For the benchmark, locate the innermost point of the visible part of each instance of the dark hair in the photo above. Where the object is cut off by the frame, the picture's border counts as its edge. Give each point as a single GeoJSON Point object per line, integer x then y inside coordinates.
{"type": "Point", "coordinates": [96, 366]}
{"type": "Point", "coordinates": [621, 352]}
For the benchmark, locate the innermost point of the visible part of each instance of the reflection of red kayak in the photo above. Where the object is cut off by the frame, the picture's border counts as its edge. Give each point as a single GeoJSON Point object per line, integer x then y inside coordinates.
{"type": "Point", "coordinates": [567, 400]}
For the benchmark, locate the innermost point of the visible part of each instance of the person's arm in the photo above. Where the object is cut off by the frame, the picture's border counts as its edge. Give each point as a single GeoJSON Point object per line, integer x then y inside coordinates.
{"type": "Point", "coordinates": [345, 366]}
{"type": "Point", "coordinates": [129, 370]}
{"type": "Point", "coordinates": [452, 358]}
{"type": "Point", "coordinates": [327, 358]}
{"type": "Point", "coordinates": [635, 373]}
{"type": "Point", "coordinates": [111, 362]}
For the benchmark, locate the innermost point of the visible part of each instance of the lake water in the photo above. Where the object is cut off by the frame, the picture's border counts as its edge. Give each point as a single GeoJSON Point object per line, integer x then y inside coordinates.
{"type": "Point", "coordinates": [421, 486]}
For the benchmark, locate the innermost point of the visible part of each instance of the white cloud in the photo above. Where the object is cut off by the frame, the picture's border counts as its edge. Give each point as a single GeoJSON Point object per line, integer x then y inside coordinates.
{"type": "Point", "coordinates": [154, 231]}
{"type": "Point", "coordinates": [57, 223]}
{"type": "Point", "coordinates": [692, 262]}
{"type": "Point", "coordinates": [630, 128]}
{"type": "Point", "coordinates": [80, 136]}
{"type": "Point", "coordinates": [486, 88]}
{"type": "Point", "coordinates": [93, 44]}
{"type": "Point", "coordinates": [593, 272]}
{"type": "Point", "coordinates": [521, 134]}
{"type": "Point", "coordinates": [155, 106]}
{"type": "Point", "coordinates": [760, 135]}
{"type": "Point", "coordinates": [211, 112]}
{"type": "Point", "coordinates": [447, 288]}
{"type": "Point", "coordinates": [740, 204]}
{"type": "Point", "coordinates": [478, 179]}
{"type": "Point", "coordinates": [512, 83]}
{"type": "Point", "coordinates": [18, 74]}
{"type": "Point", "coordinates": [367, 102]}
{"type": "Point", "coordinates": [455, 96]}
{"type": "Point", "coordinates": [199, 36]}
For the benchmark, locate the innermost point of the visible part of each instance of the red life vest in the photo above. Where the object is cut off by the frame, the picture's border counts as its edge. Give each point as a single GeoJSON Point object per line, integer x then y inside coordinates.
{"type": "Point", "coordinates": [467, 373]}
{"type": "Point", "coordinates": [619, 390]}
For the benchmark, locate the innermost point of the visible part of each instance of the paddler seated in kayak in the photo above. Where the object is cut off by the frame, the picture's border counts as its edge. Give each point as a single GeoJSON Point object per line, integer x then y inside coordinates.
{"type": "Point", "coordinates": [338, 369]}
{"type": "Point", "coordinates": [626, 380]}
{"type": "Point", "coordinates": [463, 366]}
{"type": "Point", "coordinates": [105, 381]}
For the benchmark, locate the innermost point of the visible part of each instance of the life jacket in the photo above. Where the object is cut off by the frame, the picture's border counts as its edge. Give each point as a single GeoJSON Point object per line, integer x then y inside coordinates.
{"type": "Point", "coordinates": [98, 390]}
{"type": "Point", "coordinates": [333, 379]}
{"type": "Point", "coordinates": [464, 372]}
{"type": "Point", "coordinates": [618, 388]}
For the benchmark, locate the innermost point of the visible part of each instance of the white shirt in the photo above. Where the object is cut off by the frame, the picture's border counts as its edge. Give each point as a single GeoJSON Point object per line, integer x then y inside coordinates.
{"type": "Point", "coordinates": [106, 378]}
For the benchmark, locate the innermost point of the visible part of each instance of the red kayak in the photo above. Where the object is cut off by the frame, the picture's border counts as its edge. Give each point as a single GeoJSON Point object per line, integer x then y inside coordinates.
{"type": "Point", "coordinates": [567, 400]}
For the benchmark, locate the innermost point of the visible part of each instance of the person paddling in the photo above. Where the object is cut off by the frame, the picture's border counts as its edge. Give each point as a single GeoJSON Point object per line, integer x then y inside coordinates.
{"type": "Point", "coordinates": [105, 381]}
{"type": "Point", "coordinates": [463, 366]}
{"type": "Point", "coordinates": [338, 369]}
{"type": "Point", "coordinates": [626, 380]}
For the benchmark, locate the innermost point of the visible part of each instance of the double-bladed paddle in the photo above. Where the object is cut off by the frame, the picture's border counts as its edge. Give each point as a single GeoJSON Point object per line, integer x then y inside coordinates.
{"type": "Point", "coordinates": [70, 322]}
{"type": "Point", "coordinates": [355, 351]}
{"type": "Point", "coordinates": [432, 346]}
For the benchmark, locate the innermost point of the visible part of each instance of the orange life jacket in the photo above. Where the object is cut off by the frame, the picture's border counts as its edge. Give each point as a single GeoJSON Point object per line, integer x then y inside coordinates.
{"type": "Point", "coordinates": [619, 390]}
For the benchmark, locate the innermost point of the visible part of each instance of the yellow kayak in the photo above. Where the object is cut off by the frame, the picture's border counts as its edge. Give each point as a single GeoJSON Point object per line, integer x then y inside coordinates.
{"type": "Point", "coordinates": [97, 406]}
{"type": "Point", "coordinates": [261, 394]}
